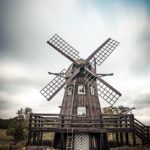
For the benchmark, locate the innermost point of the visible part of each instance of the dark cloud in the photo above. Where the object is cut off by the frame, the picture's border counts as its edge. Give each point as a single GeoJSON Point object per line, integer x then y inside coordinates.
{"type": "Point", "coordinates": [142, 62]}
{"type": "Point", "coordinates": [142, 101]}
{"type": "Point", "coordinates": [5, 104]}
{"type": "Point", "coordinates": [27, 25]}
{"type": "Point", "coordinates": [19, 85]}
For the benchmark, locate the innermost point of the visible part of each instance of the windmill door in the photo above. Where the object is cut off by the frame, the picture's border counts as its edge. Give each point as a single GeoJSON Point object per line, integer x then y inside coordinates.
{"type": "Point", "coordinates": [81, 141]}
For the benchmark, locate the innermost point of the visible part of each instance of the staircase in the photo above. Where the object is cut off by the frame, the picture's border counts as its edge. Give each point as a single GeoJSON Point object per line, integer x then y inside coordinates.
{"type": "Point", "coordinates": [142, 131]}
{"type": "Point", "coordinates": [69, 144]}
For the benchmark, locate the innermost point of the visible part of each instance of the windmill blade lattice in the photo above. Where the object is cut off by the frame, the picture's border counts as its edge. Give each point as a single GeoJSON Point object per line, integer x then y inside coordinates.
{"type": "Point", "coordinates": [64, 48]}
{"type": "Point", "coordinates": [53, 87]}
{"type": "Point", "coordinates": [49, 90]}
{"type": "Point", "coordinates": [107, 92]}
{"type": "Point", "coordinates": [103, 52]}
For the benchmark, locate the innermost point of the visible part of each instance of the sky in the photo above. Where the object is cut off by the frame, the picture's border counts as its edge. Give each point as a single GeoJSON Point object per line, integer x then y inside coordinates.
{"type": "Point", "coordinates": [26, 58]}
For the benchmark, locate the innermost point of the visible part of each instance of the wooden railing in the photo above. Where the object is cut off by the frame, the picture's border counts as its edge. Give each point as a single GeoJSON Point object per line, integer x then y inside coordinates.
{"type": "Point", "coordinates": [142, 131]}
{"type": "Point", "coordinates": [106, 121]}
{"type": "Point", "coordinates": [109, 123]}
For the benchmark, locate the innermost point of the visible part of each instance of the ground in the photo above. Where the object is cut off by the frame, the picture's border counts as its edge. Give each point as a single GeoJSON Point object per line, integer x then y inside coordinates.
{"type": "Point", "coordinates": [5, 143]}
{"type": "Point", "coordinates": [6, 140]}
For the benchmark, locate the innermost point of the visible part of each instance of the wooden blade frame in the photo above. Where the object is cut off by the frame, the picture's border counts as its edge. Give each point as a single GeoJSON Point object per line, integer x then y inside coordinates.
{"type": "Point", "coordinates": [105, 90]}
{"type": "Point", "coordinates": [102, 52]}
{"type": "Point", "coordinates": [49, 90]}
{"type": "Point", "coordinates": [64, 48]}
{"type": "Point", "coordinates": [53, 87]}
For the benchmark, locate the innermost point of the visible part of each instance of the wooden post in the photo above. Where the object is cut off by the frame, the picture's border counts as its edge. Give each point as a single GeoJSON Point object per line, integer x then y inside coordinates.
{"type": "Point", "coordinates": [142, 134]}
{"type": "Point", "coordinates": [38, 138]}
{"type": "Point", "coordinates": [116, 134]}
{"type": "Point", "coordinates": [35, 132]}
{"type": "Point", "coordinates": [121, 134]}
{"type": "Point", "coordinates": [148, 135]}
{"type": "Point", "coordinates": [117, 139]}
{"type": "Point", "coordinates": [62, 141]}
{"type": "Point", "coordinates": [127, 138]}
{"type": "Point", "coordinates": [101, 141]}
{"type": "Point", "coordinates": [121, 138]}
{"type": "Point", "coordinates": [30, 132]}
{"type": "Point", "coordinates": [34, 138]}
{"type": "Point", "coordinates": [38, 133]}
{"type": "Point", "coordinates": [134, 138]}
{"type": "Point", "coordinates": [126, 134]}
{"type": "Point", "coordinates": [41, 131]}
{"type": "Point", "coordinates": [133, 129]}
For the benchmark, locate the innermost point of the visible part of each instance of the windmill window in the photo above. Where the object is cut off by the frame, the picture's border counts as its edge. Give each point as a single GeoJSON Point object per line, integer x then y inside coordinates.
{"type": "Point", "coordinates": [92, 90]}
{"type": "Point", "coordinates": [81, 89]}
{"type": "Point", "coordinates": [69, 90]}
{"type": "Point", "coordinates": [81, 111]}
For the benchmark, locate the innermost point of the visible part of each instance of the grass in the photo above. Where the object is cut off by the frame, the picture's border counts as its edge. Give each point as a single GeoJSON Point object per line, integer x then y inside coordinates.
{"type": "Point", "coordinates": [4, 140]}
{"type": "Point", "coordinates": [48, 136]}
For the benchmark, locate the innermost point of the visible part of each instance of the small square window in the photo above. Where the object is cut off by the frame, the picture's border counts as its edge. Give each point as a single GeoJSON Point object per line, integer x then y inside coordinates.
{"type": "Point", "coordinates": [81, 111]}
{"type": "Point", "coordinates": [92, 90]}
{"type": "Point", "coordinates": [81, 89]}
{"type": "Point", "coordinates": [69, 90]}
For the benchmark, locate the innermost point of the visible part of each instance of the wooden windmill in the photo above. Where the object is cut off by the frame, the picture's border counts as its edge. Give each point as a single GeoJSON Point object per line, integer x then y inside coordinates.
{"type": "Point", "coordinates": [83, 86]}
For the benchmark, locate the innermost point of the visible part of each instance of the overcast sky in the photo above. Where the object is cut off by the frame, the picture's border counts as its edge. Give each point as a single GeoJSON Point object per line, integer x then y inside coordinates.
{"type": "Point", "coordinates": [25, 57]}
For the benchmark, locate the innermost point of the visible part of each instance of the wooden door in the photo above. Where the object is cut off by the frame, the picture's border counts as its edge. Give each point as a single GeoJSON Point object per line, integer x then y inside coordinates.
{"type": "Point", "coordinates": [81, 141]}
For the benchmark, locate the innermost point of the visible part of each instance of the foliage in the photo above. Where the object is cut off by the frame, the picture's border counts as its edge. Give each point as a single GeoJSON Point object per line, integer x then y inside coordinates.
{"type": "Point", "coordinates": [16, 130]}
{"type": "Point", "coordinates": [108, 110]}
{"type": "Point", "coordinates": [118, 110]}
{"type": "Point", "coordinates": [18, 125]}
{"type": "Point", "coordinates": [4, 140]}
{"type": "Point", "coordinates": [4, 123]}
{"type": "Point", "coordinates": [19, 134]}
{"type": "Point", "coordinates": [4, 146]}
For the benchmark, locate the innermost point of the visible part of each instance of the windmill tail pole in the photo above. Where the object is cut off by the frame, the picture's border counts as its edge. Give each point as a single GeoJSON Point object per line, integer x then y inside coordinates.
{"type": "Point", "coordinates": [104, 74]}
{"type": "Point", "coordinates": [57, 74]}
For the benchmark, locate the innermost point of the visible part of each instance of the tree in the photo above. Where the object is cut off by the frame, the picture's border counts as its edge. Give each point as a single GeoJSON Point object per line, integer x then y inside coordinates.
{"type": "Point", "coordinates": [4, 123]}
{"type": "Point", "coordinates": [118, 110]}
{"type": "Point", "coordinates": [107, 110]}
{"type": "Point", "coordinates": [15, 130]}
{"type": "Point", "coordinates": [18, 125]}
{"type": "Point", "coordinates": [125, 110]}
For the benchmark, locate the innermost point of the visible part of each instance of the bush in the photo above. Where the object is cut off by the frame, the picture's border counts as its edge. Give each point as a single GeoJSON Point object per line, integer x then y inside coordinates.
{"type": "Point", "coordinates": [16, 130]}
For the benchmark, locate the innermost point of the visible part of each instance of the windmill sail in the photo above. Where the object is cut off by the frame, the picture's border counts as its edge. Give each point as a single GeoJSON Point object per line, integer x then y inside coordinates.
{"type": "Point", "coordinates": [64, 48]}
{"type": "Point", "coordinates": [102, 52]}
{"type": "Point", "coordinates": [53, 87]}
{"type": "Point", "coordinates": [50, 89]}
{"type": "Point", "coordinates": [107, 92]}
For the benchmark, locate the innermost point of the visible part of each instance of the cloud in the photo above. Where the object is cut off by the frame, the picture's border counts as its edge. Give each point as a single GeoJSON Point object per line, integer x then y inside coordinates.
{"type": "Point", "coordinates": [26, 58]}
{"type": "Point", "coordinates": [142, 99]}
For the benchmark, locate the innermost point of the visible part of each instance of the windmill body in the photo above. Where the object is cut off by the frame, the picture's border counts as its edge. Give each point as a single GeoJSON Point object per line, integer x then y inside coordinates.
{"type": "Point", "coordinates": [80, 98]}
{"type": "Point", "coordinates": [83, 86]}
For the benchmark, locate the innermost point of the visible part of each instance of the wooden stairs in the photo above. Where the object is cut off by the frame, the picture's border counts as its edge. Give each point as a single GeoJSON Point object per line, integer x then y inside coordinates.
{"type": "Point", "coordinates": [142, 131]}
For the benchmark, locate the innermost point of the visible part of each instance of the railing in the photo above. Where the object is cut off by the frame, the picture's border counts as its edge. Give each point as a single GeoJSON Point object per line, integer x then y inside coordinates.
{"type": "Point", "coordinates": [142, 131]}
{"type": "Point", "coordinates": [110, 123]}
{"type": "Point", "coordinates": [94, 122]}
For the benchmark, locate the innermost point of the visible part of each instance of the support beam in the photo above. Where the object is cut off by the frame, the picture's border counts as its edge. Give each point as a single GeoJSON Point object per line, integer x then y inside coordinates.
{"type": "Point", "coordinates": [127, 138]}
{"type": "Point", "coordinates": [134, 138]}
{"type": "Point", "coordinates": [121, 138]}
{"type": "Point", "coordinates": [117, 139]}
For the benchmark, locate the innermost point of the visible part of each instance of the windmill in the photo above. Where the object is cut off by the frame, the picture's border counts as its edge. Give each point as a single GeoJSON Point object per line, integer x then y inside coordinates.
{"type": "Point", "coordinates": [83, 87]}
